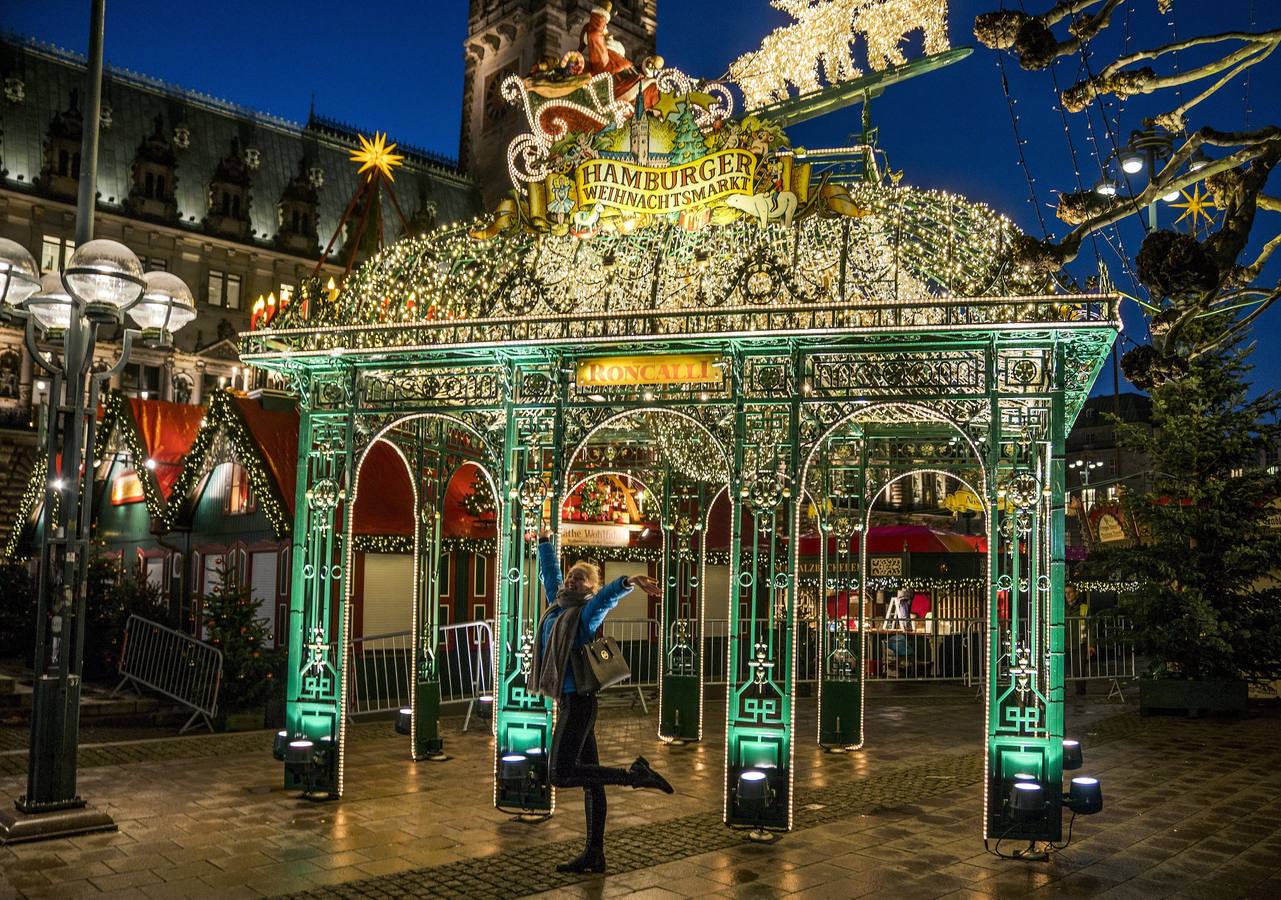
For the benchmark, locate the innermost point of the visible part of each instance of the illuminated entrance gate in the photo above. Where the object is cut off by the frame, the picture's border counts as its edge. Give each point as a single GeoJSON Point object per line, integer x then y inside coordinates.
{"type": "Point", "coordinates": [782, 401]}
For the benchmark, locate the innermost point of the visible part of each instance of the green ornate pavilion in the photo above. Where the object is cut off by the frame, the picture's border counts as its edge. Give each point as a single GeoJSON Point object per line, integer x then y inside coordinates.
{"type": "Point", "coordinates": [794, 363]}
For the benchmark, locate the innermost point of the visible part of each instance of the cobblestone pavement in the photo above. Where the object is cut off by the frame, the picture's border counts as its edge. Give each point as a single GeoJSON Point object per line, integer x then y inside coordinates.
{"type": "Point", "coordinates": [1193, 807]}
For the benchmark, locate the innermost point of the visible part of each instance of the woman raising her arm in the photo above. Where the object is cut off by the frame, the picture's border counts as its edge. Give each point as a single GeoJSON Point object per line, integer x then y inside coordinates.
{"type": "Point", "coordinates": [576, 607]}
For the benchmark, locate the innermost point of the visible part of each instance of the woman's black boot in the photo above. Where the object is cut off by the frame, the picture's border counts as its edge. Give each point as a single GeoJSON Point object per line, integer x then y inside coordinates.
{"type": "Point", "coordinates": [645, 777]}
{"type": "Point", "coordinates": [592, 861]}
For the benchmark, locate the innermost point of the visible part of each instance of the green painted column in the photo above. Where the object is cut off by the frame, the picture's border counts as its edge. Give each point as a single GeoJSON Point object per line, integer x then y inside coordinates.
{"type": "Point", "coordinates": [758, 776]}
{"type": "Point", "coordinates": [432, 473]}
{"type": "Point", "coordinates": [1025, 616]}
{"type": "Point", "coordinates": [317, 602]}
{"type": "Point", "coordinates": [685, 508]}
{"type": "Point", "coordinates": [839, 497]}
{"type": "Point", "coordinates": [523, 722]}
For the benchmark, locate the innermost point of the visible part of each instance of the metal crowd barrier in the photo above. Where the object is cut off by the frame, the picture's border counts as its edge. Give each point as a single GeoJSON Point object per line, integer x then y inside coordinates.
{"type": "Point", "coordinates": [382, 666]}
{"type": "Point", "coordinates": [174, 664]}
{"type": "Point", "coordinates": [1100, 648]}
{"type": "Point", "coordinates": [932, 650]}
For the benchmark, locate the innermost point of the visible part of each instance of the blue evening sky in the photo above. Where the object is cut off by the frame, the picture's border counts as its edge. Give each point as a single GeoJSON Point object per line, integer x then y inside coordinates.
{"type": "Point", "coordinates": [398, 68]}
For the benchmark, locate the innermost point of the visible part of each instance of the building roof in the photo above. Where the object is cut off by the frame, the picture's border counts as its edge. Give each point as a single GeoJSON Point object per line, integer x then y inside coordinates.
{"type": "Point", "coordinates": [166, 431]}
{"type": "Point", "coordinates": [1132, 406]}
{"type": "Point", "coordinates": [50, 78]}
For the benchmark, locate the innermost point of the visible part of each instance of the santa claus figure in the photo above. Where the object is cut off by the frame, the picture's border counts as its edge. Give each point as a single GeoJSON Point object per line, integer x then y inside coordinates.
{"type": "Point", "coordinates": [604, 53]}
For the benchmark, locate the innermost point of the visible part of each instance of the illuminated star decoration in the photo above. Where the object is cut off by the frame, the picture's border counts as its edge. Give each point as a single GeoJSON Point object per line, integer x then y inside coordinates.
{"type": "Point", "coordinates": [1197, 207]}
{"type": "Point", "coordinates": [376, 156]}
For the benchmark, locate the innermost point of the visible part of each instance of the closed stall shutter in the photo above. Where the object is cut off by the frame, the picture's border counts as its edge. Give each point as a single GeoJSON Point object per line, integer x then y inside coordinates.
{"type": "Point", "coordinates": [389, 593]}
{"type": "Point", "coordinates": [262, 582]}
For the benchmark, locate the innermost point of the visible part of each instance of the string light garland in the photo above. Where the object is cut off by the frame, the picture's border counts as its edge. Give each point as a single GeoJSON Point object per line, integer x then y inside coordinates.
{"type": "Point", "coordinates": [118, 419]}
{"type": "Point", "coordinates": [1120, 587]}
{"type": "Point", "coordinates": [384, 543]}
{"type": "Point", "coordinates": [223, 417]}
{"type": "Point", "coordinates": [31, 496]}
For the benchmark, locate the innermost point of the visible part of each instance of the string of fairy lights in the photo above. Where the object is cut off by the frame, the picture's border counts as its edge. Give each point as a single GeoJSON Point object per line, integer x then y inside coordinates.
{"type": "Point", "coordinates": [912, 244]}
{"type": "Point", "coordinates": [223, 418]}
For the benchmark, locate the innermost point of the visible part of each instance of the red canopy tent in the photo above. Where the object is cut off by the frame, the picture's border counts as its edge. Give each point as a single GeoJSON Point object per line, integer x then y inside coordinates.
{"type": "Point", "coordinates": [892, 539]}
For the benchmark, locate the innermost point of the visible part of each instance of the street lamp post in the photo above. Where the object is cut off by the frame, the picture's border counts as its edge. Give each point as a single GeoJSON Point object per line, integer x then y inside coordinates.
{"type": "Point", "coordinates": [103, 280]}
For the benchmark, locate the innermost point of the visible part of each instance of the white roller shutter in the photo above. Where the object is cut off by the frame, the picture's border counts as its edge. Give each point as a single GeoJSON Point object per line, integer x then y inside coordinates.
{"type": "Point", "coordinates": [262, 583]}
{"type": "Point", "coordinates": [389, 593]}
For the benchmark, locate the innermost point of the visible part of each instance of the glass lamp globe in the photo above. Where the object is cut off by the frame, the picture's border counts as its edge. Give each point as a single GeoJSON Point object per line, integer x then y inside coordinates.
{"type": "Point", "coordinates": [106, 276]}
{"type": "Point", "coordinates": [19, 276]}
{"type": "Point", "coordinates": [165, 307]}
{"type": "Point", "coordinates": [51, 306]}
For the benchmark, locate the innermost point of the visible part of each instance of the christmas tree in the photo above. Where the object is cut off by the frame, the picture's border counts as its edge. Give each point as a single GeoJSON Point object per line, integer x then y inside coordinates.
{"type": "Point", "coordinates": [232, 624]}
{"type": "Point", "coordinates": [1206, 606]}
{"type": "Point", "coordinates": [688, 144]}
{"type": "Point", "coordinates": [480, 502]}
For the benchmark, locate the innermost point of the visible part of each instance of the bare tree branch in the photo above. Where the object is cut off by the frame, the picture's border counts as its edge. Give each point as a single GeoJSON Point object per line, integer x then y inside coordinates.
{"type": "Point", "coordinates": [1236, 329]}
{"type": "Point", "coordinates": [1247, 274]}
{"type": "Point", "coordinates": [1030, 36]}
{"type": "Point", "coordinates": [1166, 181]}
{"type": "Point", "coordinates": [1117, 78]}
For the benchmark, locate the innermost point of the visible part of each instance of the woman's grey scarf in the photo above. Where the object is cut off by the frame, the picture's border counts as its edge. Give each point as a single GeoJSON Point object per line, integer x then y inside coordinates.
{"type": "Point", "coordinates": [547, 674]}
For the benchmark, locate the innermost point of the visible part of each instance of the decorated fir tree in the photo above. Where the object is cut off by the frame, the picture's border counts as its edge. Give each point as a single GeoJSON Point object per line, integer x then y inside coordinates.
{"type": "Point", "coordinates": [688, 143]}
{"type": "Point", "coordinates": [232, 623]}
{"type": "Point", "coordinates": [113, 595]}
{"type": "Point", "coordinates": [1208, 605]}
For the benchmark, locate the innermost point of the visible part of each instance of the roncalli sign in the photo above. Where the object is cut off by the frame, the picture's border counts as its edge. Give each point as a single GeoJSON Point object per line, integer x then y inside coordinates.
{"type": "Point", "coordinates": [625, 371]}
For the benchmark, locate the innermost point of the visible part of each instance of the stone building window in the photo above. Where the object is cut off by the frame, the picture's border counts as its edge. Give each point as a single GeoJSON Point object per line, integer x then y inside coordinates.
{"type": "Point", "coordinates": [153, 177]}
{"type": "Point", "coordinates": [229, 196]}
{"type": "Point", "coordinates": [224, 289]}
{"type": "Point", "coordinates": [54, 253]}
{"type": "Point", "coordinates": [60, 172]}
{"type": "Point", "coordinates": [497, 108]}
{"type": "Point", "coordinates": [297, 214]}
{"type": "Point", "coordinates": [10, 372]}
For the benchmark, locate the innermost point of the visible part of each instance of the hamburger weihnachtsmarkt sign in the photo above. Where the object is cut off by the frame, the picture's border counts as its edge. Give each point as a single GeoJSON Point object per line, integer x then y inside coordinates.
{"type": "Point", "coordinates": [615, 146]}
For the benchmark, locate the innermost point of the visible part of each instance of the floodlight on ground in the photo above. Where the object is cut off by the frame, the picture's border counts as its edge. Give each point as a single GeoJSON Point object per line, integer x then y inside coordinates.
{"type": "Point", "coordinates": [1027, 801]}
{"type": "Point", "coordinates": [754, 797]}
{"type": "Point", "coordinates": [1085, 796]}
{"type": "Point", "coordinates": [298, 753]}
{"type": "Point", "coordinates": [1072, 757]}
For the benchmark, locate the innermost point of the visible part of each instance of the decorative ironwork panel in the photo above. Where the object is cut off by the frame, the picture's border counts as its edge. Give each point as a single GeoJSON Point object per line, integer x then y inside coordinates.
{"type": "Point", "coordinates": [898, 374]}
{"type": "Point", "coordinates": [1019, 371]}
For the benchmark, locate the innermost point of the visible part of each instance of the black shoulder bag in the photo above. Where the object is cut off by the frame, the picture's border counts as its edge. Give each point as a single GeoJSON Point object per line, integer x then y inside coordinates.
{"type": "Point", "coordinates": [598, 665]}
